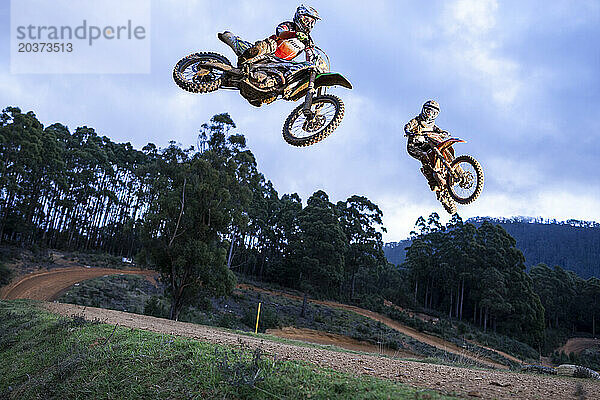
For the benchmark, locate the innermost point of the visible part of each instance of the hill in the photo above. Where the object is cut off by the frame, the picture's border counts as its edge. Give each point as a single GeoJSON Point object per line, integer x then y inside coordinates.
{"type": "Point", "coordinates": [574, 245]}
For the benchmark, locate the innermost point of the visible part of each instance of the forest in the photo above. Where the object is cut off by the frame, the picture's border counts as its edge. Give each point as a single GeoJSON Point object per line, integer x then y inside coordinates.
{"type": "Point", "coordinates": [203, 215]}
{"type": "Point", "coordinates": [573, 244]}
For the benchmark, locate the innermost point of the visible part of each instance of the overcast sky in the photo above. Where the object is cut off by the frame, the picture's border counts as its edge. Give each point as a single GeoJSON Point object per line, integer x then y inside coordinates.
{"type": "Point", "coordinates": [519, 80]}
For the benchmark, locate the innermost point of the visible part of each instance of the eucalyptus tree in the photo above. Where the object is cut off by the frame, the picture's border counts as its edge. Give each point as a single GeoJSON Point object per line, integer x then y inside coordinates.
{"type": "Point", "coordinates": [318, 247]}
{"type": "Point", "coordinates": [361, 222]}
{"type": "Point", "coordinates": [182, 228]}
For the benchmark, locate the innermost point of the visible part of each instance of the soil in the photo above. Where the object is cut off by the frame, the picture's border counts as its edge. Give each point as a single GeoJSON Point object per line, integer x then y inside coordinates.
{"type": "Point", "coordinates": [420, 336]}
{"type": "Point", "coordinates": [462, 381]}
{"type": "Point", "coordinates": [49, 285]}
{"type": "Point", "coordinates": [333, 339]}
{"type": "Point", "coordinates": [577, 345]}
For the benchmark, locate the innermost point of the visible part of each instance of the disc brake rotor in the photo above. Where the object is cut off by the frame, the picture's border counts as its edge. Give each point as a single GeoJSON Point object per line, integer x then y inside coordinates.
{"type": "Point", "coordinates": [466, 181]}
{"type": "Point", "coordinates": [314, 124]}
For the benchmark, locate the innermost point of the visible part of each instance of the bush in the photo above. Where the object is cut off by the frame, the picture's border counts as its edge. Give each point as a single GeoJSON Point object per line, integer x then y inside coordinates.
{"type": "Point", "coordinates": [5, 274]}
{"type": "Point", "coordinates": [590, 358]}
{"type": "Point", "coordinates": [227, 320]}
{"type": "Point", "coordinates": [268, 319]}
{"type": "Point", "coordinates": [156, 307]}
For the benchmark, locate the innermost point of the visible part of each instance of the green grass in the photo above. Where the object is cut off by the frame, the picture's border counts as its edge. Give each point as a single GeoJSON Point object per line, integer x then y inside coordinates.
{"type": "Point", "coordinates": [133, 294]}
{"type": "Point", "coordinates": [51, 357]}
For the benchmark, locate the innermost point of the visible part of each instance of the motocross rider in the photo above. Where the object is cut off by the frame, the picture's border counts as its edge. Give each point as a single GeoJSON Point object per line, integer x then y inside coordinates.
{"type": "Point", "coordinates": [282, 43]}
{"type": "Point", "coordinates": [416, 129]}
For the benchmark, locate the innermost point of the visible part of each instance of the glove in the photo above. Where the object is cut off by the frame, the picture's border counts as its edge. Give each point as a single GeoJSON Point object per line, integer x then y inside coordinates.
{"type": "Point", "coordinates": [301, 36]}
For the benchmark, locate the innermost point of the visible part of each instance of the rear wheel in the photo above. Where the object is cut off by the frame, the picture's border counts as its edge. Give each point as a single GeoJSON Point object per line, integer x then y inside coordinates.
{"type": "Point", "coordinates": [467, 188]}
{"type": "Point", "coordinates": [328, 111]}
{"type": "Point", "coordinates": [190, 74]}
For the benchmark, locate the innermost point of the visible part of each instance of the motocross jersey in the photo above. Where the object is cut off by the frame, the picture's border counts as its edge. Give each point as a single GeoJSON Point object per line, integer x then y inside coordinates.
{"type": "Point", "coordinates": [416, 127]}
{"type": "Point", "coordinates": [288, 44]}
{"type": "Point", "coordinates": [415, 130]}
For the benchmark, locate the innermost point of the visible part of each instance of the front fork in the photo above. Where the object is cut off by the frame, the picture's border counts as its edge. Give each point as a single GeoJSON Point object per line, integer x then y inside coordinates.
{"type": "Point", "coordinates": [309, 96]}
{"type": "Point", "coordinates": [451, 172]}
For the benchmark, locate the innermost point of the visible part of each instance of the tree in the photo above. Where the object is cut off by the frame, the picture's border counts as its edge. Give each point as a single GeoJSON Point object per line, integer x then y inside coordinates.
{"type": "Point", "coordinates": [199, 199]}
{"type": "Point", "coordinates": [360, 219]}
{"type": "Point", "coordinates": [317, 248]}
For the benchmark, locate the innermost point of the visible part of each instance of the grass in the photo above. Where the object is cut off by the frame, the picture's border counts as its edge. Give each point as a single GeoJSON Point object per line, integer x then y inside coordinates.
{"type": "Point", "coordinates": [5, 274]}
{"type": "Point", "coordinates": [117, 292]}
{"type": "Point", "coordinates": [50, 357]}
{"type": "Point", "coordinates": [135, 294]}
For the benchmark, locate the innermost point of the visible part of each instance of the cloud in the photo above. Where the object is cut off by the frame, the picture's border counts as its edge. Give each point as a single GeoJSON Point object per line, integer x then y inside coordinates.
{"type": "Point", "coordinates": [517, 79]}
{"type": "Point", "coordinates": [469, 43]}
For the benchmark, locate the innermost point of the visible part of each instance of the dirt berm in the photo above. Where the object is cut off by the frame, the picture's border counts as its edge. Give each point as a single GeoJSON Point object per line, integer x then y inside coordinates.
{"type": "Point", "coordinates": [488, 384]}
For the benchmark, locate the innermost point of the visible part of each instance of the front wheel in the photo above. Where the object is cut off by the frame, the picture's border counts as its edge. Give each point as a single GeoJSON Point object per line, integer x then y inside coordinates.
{"type": "Point", "coordinates": [467, 188]}
{"type": "Point", "coordinates": [327, 113]}
{"type": "Point", "coordinates": [191, 75]}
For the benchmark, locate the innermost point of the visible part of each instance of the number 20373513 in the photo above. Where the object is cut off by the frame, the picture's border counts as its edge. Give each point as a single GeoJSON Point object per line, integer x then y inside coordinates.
{"type": "Point", "coordinates": [26, 47]}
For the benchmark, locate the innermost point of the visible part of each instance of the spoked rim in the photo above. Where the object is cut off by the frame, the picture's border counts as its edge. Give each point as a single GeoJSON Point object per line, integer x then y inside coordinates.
{"type": "Point", "coordinates": [193, 72]}
{"type": "Point", "coordinates": [190, 75]}
{"type": "Point", "coordinates": [468, 185]}
{"type": "Point", "coordinates": [324, 111]}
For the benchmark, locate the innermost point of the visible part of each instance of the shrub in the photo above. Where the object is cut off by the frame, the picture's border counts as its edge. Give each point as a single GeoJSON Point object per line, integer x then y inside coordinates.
{"type": "Point", "coordinates": [156, 307]}
{"type": "Point", "coordinates": [268, 319]}
{"type": "Point", "coordinates": [5, 274]}
{"type": "Point", "coordinates": [227, 320]}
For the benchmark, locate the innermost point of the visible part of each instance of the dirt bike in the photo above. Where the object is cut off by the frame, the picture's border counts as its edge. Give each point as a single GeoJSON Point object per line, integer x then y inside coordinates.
{"type": "Point", "coordinates": [265, 79]}
{"type": "Point", "coordinates": [460, 178]}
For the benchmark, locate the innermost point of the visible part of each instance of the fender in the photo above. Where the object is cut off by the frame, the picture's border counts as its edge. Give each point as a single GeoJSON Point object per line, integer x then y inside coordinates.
{"type": "Point", "coordinates": [332, 79]}
{"type": "Point", "coordinates": [221, 66]}
{"type": "Point", "coordinates": [322, 80]}
{"type": "Point", "coordinates": [449, 142]}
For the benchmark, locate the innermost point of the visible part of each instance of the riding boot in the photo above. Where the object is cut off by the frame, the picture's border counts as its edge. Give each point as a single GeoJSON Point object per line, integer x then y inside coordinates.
{"type": "Point", "coordinates": [230, 40]}
{"type": "Point", "coordinates": [428, 172]}
{"type": "Point", "coordinates": [261, 47]}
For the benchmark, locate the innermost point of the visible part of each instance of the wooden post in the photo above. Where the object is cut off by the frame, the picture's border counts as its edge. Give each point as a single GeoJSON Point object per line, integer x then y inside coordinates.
{"type": "Point", "coordinates": [257, 317]}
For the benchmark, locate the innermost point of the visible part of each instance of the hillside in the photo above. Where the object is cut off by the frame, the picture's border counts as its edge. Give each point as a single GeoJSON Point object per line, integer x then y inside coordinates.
{"type": "Point", "coordinates": [92, 359]}
{"type": "Point", "coordinates": [276, 312]}
{"type": "Point", "coordinates": [573, 245]}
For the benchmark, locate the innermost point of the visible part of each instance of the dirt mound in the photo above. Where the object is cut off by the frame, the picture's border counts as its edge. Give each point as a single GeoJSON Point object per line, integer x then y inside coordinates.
{"type": "Point", "coordinates": [462, 381]}
{"type": "Point", "coordinates": [577, 345]}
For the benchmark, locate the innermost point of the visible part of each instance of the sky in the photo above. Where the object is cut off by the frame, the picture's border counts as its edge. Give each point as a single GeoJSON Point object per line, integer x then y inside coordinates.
{"type": "Point", "coordinates": [519, 80]}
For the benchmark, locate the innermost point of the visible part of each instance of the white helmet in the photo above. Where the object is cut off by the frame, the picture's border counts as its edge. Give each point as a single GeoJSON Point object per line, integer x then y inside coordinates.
{"type": "Point", "coordinates": [305, 18]}
{"type": "Point", "coordinates": [430, 111]}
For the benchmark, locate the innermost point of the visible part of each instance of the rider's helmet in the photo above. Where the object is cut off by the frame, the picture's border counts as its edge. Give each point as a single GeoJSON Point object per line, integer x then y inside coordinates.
{"type": "Point", "coordinates": [430, 111]}
{"type": "Point", "coordinates": [305, 18]}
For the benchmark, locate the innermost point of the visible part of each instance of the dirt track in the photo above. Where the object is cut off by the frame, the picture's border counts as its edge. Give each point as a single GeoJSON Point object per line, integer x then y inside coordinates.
{"type": "Point", "coordinates": [577, 345]}
{"type": "Point", "coordinates": [489, 384]}
{"type": "Point", "coordinates": [327, 338]}
{"type": "Point", "coordinates": [466, 382]}
{"type": "Point", "coordinates": [48, 285]}
{"type": "Point", "coordinates": [420, 336]}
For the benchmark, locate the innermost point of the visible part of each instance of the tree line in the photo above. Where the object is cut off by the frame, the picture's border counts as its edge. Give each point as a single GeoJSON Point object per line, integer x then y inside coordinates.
{"type": "Point", "coordinates": [70, 190]}
{"type": "Point", "coordinates": [195, 214]}
{"type": "Point", "coordinates": [572, 244]}
{"type": "Point", "coordinates": [474, 274]}
{"type": "Point", "coordinates": [201, 214]}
